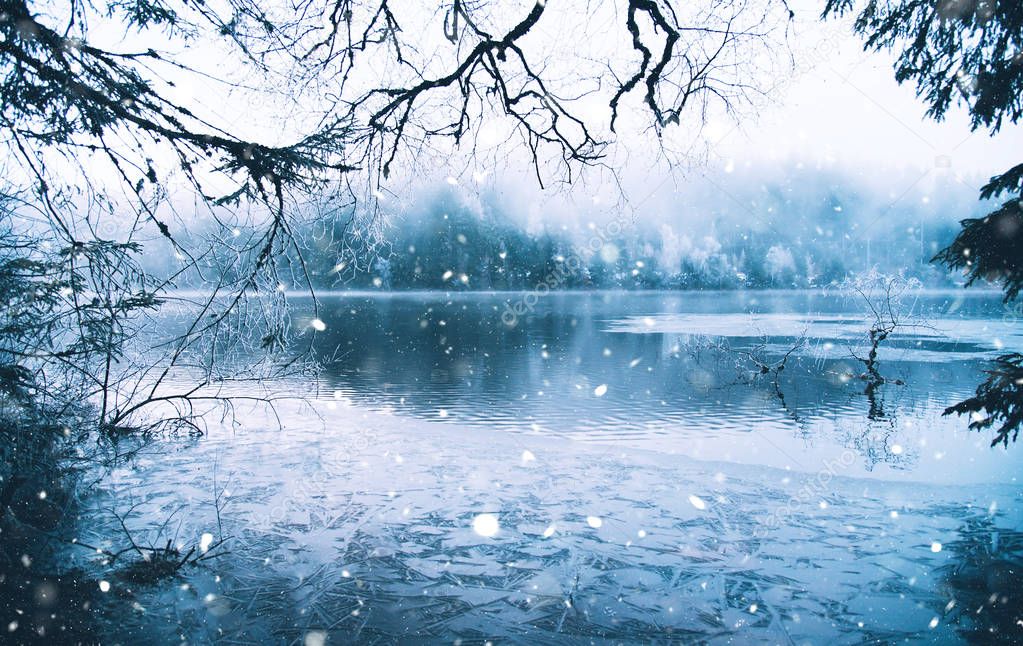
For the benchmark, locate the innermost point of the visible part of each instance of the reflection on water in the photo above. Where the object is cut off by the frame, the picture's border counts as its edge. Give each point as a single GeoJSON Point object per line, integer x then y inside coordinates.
{"type": "Point", "coordinates": [669, 384]}
{"type": "Point", "coordinates": [984, 579]}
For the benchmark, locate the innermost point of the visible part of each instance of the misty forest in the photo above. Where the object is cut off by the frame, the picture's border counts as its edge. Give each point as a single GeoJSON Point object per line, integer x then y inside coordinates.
{"type": "Point", "coordinates": [532, 322]}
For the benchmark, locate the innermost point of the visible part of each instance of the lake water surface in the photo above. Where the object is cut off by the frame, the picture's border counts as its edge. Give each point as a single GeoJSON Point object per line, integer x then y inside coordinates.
{"type": "Point", "coordinates": [606, 467]}
{"type": "Point", "coordinates": [670, 386]}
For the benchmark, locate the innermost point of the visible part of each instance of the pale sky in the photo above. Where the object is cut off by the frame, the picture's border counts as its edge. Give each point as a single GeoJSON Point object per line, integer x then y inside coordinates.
{"type": "Point", "coordinates": [844, 104]}
{"type": "Point", "coordinates": [837, 108]}
{"type": "Point", "coordinates": [840, 110]}
{"type": "Point", "coordinates": [838, 104]}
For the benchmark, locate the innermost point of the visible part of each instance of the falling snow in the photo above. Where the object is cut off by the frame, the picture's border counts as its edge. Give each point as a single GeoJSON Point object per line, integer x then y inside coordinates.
{"type": "Point", "coordinates": [485, 525]}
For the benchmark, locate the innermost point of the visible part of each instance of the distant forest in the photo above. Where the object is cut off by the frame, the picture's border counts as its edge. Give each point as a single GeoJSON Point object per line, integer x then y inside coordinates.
{"type": "Point", "coordinates": [811, 229]}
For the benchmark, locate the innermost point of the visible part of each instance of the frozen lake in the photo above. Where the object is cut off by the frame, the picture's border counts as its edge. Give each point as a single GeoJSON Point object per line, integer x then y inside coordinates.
{"type": "Point", "coordinates": [596, 470]}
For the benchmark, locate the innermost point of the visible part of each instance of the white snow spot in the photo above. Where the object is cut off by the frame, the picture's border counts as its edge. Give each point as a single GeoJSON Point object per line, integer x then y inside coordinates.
{"type": "Point", "coordinates": [594, 521]}
{"type": "Point", "coordinates": [634, 363]}
{"type": "Point", "coordinates": [641, 533]}
{"type": "Point", "coordinates": [318, 325]}
{"type": "Point", "coordinates": [442, 413]}
{"type": "Point", "coordinates": [697, 502]}
{"type": "Point", "coordinates": [446, 275]}
{"type": "Point", "coordinates": [315, 638]}
{"type": "Point", "coordinates": [452, 181]}
{"type": "Point", "coordinates": [600, 390]}
{"type": "Point", "coordinates": [205, 541]}
{"type": "Point", "coordinates": [609, 253]}
{"type": "Point", "coordinates": [527, 456]}
{"type": "Point", "coordinates": [104, 586]}
{"type": "Point", "coordinates": [934, 623]}
{"type": "Point", "coordinates": [935, 547]}
{"type": "Point", "coordinates": [485, 525]}
{"type": "Point", "coordinates": [897, 449]}
{"type": "Point", "coordinates": [547, 533]}
{"type": "Point", "coordinates": [753, 609]}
